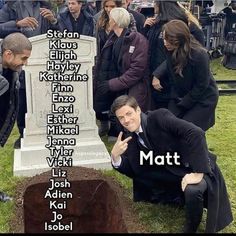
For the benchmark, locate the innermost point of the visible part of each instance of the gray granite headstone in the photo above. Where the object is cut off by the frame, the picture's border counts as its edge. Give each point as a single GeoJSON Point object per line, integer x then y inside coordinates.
{"type": "Point", "coordinates": [89, 150]}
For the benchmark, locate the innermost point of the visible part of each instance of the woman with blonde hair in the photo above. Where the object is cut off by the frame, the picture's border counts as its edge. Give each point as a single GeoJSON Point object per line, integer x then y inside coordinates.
{"type": "Point", "coordinates": [122, 67]}
{"type": "Point", "coordinates": [102, 26]}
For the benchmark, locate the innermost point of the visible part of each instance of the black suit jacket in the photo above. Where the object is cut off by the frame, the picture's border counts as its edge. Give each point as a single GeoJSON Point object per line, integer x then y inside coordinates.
{"type": "Point", "coordinates": [166, 133]}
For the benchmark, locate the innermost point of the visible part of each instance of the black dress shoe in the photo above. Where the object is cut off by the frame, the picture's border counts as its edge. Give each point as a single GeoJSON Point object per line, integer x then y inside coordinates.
{"type": "Point", "coordinates": [4, 197]}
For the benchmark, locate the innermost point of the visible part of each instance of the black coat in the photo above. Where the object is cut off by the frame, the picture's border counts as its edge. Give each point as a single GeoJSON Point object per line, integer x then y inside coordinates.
{"type": "Point", "coordinates": [7, 17]}
{"type": "Point", "coordinates": [101, 36]}
{"type": "Point", "coordinates": [166, 133]}
{"type": "Point", "coordinates": [18, 10]}
{"type": "Point", "coordinates": [132, 63]}
{"type": "Point", "coordinates": [157, 51]}
{"type": "Point", "coordinates": [64, 22]}
{"type": "Point", "coordinates": [139, 19]}
{"type": "Point", "coordinates": [230, 20]}
{"type": "Point", "coordinates": [157, 54]}
{"type": "Point", "coordinates": [105, 69]}
{"type": "Point", "coordinates": [123, 63]}
{"type": "Point", "coordinates": [8, 103]}
{"type": "Point", "coordinates": [195, 95]}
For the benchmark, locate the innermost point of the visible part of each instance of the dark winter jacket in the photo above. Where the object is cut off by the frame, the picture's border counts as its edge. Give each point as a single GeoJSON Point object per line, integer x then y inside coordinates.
{"type": "Point", "coordinates": [64, 22]}
{"type": "Point", "coordinates": [102, 35]}
{"type": "Point", "coordinates": [139, 19]}
{"type": "Point", "coordinates": [166, 133]}
{"type": "Point", "coordinates": [194, 95]}
{"type": "Point", "coordinates": [105, 69]}
{"type": "Point", "coordinates": [157, 54]}
{"type": "Point", "coordinates": [156, 45]}
{"type": "Point", "coordinates": [7, 17]}
{"type": "Point", "coordinates": [8, 102]}
{"type": "Point", "coordinates": [125, 68]}
{"type": "Point", "coordinates": [20, 10]}
{"type": "Point", "coordinates": [132, 65]}
{"type": "Point", "coordinates": [230, 20]}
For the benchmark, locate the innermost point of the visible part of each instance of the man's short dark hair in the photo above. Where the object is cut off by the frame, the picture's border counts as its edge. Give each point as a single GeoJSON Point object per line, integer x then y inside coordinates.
{"type": "Point", "coordinates": [81, 1]}
{"type": "Point", "coordinates": [16, 42]}
{"type": "Point", "coordinates": [123, 101]}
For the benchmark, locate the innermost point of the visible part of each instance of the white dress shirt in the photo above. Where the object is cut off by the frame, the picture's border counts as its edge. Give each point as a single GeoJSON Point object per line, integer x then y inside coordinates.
{"type": "Point", "coordinates": [118, 163]}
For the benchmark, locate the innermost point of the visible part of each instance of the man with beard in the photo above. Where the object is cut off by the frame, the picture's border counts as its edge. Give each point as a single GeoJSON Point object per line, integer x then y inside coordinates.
{"type": "Point", "coordinates": [31, 18]}
{"type": "Point", "coordinates": [15, 49]}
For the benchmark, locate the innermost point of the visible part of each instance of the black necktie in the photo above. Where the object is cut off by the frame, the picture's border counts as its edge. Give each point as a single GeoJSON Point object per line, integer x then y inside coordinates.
{"type": "Point", "coordinates": [142, 139]}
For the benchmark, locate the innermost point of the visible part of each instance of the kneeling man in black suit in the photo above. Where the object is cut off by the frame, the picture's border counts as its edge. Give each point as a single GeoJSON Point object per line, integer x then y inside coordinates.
{"type": "Point", "coordinates": [169, 162]}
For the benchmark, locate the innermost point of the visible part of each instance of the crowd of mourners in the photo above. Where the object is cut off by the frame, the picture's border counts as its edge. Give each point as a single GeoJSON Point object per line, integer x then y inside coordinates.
{"type": "Point", "coordinates": [136, 55]}
{"type": "Point", "coordinates": [155, 62]}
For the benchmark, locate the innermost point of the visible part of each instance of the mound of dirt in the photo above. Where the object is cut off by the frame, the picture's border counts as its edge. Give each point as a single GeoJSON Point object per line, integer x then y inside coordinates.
{"type": "Point", "coordinates": [86, 202]}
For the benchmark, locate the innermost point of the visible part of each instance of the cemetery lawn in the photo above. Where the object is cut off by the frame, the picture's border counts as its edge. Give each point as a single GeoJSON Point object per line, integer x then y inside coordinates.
{"type": "Point", "coordinates": [158, 219]}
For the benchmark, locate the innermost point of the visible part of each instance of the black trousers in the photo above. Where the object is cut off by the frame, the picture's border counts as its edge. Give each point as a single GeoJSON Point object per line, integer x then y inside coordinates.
{"type": "Point", "coordinates": [165, 188]}
{"type": "Point", "coordinates": [22, 104]}
{"type": "Point", "coordinates": [195, 196]}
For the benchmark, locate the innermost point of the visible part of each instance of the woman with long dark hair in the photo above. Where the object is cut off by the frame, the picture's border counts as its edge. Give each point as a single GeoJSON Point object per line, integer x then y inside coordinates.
{"type": "Point", "coordinates": [103, 28]}
{"type": "Point", "coordinates": [194, 93]}
{"type": "Point", "coordinates": [166, 11]}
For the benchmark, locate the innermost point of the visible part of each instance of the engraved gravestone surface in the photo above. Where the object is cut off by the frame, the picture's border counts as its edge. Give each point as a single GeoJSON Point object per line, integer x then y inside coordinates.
{"type": "Point", "coordinates": [59, 106]}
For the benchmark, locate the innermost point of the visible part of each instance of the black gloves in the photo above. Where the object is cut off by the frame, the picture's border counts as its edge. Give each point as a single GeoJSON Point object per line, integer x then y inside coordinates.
{"type": "Point", "coordinates": [4, 85]}
{"type": "Point", "coordinates": [102, 88]}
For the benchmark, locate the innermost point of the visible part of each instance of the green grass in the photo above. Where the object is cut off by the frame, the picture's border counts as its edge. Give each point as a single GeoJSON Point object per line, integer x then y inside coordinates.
{"type": "Point", "coordinates": [222, 141]}
{"type": "Point", "coordinates": [8, 183]}
{"type": "Point", "coordinates": [160, 219]}
{"type": "Point", "coordinates": [220, 72]}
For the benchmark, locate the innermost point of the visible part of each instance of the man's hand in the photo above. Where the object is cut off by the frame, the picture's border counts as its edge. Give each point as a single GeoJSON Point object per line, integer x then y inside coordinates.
{"type": "Point", "coordinates": [150, 21]}
{"type": "Point", "coordinates": [192, 178]}
{"type": "Point", "coordinates": [27, 22]}
{"type": "Point", "coordinates": [156, 84]}
{"type": "Point", "coordinates": [46, 13]}
{"type": "Point", "coordinates": [120, 147]}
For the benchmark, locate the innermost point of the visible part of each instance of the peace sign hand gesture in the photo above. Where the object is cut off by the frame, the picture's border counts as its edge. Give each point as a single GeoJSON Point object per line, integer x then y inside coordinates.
{"type": "Point", "coordinates": [120, 147]}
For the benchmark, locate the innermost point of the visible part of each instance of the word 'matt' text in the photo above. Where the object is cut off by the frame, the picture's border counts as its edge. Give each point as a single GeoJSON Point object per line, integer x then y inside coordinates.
{"type": "Point", "coordinates": [159, 159]}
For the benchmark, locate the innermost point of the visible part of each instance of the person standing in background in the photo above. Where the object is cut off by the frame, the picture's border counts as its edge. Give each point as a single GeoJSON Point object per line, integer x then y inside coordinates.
{"type": "Point", "coordinates": [1, 3]}
{"type": "Point", "coordinates": [76, 18]}
{"type": "Point", "coordinates": [30, 18]}
{"type": "Point", "coordinates": [139, 18]}
{"type": "Point", "coordinates": [165, 11]}
{"type": "Point", "coordinates": [121, 69]}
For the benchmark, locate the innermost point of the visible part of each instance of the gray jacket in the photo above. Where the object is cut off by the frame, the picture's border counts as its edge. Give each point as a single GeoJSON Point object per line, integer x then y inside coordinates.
{"type": "Point", "coordinates": [19, 10]}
